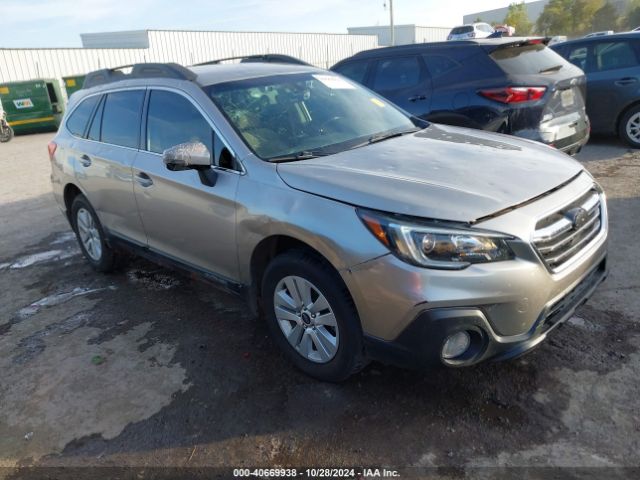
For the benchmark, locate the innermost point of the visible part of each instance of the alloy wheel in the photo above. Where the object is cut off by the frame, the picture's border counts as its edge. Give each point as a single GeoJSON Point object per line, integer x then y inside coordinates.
{"type": "Point", "coordinates": [89, 234]}
{"type": "Point", "coordinates": [633, 127]}
{"type": "Point", "coordinates": [306, 319]}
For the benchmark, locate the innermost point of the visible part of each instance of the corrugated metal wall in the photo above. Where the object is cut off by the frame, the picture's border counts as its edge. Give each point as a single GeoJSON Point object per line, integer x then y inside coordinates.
{"type": "Point", "coordinates": [404, 34]}
{"type": "Point", "coordinates": [322, 50]}
{"type": "Point", "coordinates": [26, 64]}
{"type": "Point", "coordinates": [431, 34]}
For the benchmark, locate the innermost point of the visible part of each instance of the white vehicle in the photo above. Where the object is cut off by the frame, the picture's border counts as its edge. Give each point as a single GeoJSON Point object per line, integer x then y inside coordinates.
{"type": "Point", "coordinates": [472, 30]}
{"type": "Point", "coordinates": [599, 34]}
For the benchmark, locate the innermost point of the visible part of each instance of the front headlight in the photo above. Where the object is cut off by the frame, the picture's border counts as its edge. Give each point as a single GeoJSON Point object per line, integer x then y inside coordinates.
{"type": "Point", "coordinates": [434, 244]}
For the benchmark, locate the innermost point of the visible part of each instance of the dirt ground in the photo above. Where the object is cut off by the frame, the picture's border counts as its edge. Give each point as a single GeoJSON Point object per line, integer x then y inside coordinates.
{"type": "Point", "coordinates": [148, 368]}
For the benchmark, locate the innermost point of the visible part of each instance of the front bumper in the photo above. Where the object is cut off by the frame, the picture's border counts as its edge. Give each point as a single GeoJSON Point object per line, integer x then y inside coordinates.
{"type": "Point", "coordinates": [408, 311]}
{"type": "Point", "coordinates": [420, 344]}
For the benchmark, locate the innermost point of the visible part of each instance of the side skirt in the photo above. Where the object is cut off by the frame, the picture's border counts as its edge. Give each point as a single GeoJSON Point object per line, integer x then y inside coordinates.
{"type": "Point", "coordinates": [193, 271]}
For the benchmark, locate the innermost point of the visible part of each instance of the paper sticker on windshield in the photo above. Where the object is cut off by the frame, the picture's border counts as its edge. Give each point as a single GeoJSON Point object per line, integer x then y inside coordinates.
{"type": "Point", "coordinates": [333, 82]}
{"type": "Point", "coordinates": [377, 101]}
{"type": "Point", "coordinates": [23, 103]}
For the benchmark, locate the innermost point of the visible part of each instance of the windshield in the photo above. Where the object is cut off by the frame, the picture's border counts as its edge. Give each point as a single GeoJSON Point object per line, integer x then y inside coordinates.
{"type": "Point", "coordinates": [305, 114]}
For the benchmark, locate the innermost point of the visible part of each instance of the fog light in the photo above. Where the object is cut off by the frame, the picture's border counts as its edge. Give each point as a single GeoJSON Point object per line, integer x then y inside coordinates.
{"type": "Point", "coordinates": [456, 344]}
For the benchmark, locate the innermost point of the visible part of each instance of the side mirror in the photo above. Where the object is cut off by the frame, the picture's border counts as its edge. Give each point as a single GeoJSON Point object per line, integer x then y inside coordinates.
{"type": "Point", "coordinates": [187, 155]}
{"type": "Point", "coordinates": [191, 155]}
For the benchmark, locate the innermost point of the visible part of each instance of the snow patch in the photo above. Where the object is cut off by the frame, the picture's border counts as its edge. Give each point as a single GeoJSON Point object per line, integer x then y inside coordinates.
{"type": "Point", "coordinates": [57, 299]}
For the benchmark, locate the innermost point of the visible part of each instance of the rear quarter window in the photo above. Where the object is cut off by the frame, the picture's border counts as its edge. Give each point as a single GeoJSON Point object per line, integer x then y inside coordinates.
{"type": "Point", "coordinates": [526, 59]}
{"type": "Point", "coordinates": [77, 122]}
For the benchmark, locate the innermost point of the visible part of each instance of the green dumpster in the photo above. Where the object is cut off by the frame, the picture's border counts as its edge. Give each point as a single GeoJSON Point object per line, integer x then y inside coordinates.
{"type": "Point", "coordinates": [73, 84]}
{"type": "Point", "coordinates": [32, 106]}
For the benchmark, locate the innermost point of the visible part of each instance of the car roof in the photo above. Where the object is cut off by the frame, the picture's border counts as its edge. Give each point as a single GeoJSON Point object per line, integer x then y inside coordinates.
{"type": "Point", "coordinates": [413, 47]}
{"type": "Point", "coordinates": [601, 38]}
{"type": "Point", "coordinates": [227, 72]}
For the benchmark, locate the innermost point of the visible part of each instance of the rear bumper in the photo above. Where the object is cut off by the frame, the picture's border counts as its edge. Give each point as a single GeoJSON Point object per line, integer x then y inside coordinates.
{"type": "Point", "coordinates": [420, 344]}
{"type": "Point", "coordinates": [568, 133]}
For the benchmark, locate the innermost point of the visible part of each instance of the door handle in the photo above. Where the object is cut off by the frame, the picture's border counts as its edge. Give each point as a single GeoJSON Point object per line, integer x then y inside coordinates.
{"type": "Point", "coordinates": [415, 98]}
{"type": "Point", "coordinates": [143, 180]}
{"type": "Point", "coordinates": [85, 160]}
{"type": "Point", "coordinates": [626, 81]}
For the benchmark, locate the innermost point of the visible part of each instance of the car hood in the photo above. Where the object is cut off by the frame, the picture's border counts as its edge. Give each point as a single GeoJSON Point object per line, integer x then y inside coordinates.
{"type": "Point", "coordinates": [441, 172]}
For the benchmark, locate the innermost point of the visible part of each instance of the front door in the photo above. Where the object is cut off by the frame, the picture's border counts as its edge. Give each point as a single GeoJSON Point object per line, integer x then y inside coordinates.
{"type": "Point", "coordinates": [184, 218]}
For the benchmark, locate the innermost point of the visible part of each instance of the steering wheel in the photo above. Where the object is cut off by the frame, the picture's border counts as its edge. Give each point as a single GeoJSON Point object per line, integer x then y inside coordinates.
{"type": "Point", "coordinates": [324, 125]}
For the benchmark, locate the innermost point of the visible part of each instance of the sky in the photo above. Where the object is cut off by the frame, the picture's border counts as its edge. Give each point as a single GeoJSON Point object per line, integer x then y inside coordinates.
{"type": "Point", "coordinates": [58, 23]}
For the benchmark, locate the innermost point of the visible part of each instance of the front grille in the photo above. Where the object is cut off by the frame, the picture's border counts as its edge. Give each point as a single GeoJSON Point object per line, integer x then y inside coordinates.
{"type": "Point", "coordinates": [563, 234]}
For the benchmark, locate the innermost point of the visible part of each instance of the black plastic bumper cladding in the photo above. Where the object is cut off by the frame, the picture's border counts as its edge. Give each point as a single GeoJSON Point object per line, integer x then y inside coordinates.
{"type": "Point", "coordinates": [420, 344]}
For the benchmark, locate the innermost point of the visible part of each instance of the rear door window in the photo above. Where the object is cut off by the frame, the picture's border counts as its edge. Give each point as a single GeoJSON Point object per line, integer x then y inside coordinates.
{"type": "Point", "coordinates": [614, 56]}
{"type": "Point", "coordinates": [526, 59]}
{"type": "Point", "coordinates": [356, 71]}
{"type": "Point", "coordinates": [397, 73]}
{"type": "Point", "coordinates": [77, 123]}
{"type": "Point", "coordinates": [121, 118]}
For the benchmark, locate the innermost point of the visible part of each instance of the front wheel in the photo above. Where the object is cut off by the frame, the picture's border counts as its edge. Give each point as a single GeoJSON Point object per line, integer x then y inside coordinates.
{"type": "Point", "coordinates": [629, 129]}
{"type": "Point", "coordinates": [6, 133]}
{"type": "Point", "coordinates": [90, 235]}
{"type": "Point", "coordinates": [311, 316]}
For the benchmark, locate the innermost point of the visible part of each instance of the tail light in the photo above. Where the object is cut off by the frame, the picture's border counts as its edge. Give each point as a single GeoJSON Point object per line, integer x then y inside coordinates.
{"type": "Point", "coordinates": [514, 94]}
{"type": "Point", "coordinates": [51, 147]}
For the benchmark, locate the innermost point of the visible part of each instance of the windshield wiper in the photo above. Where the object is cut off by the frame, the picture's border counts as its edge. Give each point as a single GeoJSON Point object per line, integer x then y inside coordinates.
{"type": "Point", "coordinates": [303, 155]}
{"type": "Point", "coordinates": [555, 68]}
{"type": "Point", "coordinates": [379, 137]}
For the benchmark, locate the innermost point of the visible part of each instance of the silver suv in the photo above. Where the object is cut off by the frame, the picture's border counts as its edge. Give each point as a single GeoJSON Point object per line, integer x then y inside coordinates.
{"type": "Point", "coordinates": [357, 231]}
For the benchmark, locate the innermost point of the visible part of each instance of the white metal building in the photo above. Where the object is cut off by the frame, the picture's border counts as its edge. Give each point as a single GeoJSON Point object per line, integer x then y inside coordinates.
{"type": "Point", "coordinates": [404, 34]}
{"type": "Point", "coordinates": [184, 47]}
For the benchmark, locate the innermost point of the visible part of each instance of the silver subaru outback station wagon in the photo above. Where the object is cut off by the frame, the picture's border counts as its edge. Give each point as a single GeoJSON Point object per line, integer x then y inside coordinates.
{"type": "Point", "coordinates": [355, 230]}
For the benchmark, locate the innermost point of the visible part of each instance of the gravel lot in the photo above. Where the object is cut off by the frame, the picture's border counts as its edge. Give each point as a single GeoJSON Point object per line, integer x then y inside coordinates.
{"type": "Point", "coordinates": [146, 367]}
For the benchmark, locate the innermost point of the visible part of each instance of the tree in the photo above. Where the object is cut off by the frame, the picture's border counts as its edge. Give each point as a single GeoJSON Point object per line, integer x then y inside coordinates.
{"type": "Point", "coordinates": [567, 17]}
{"type": "Point", "coordinates": [518, 18]}
{"type": "Point", "coordinates": [604, 18]}
{"type": "Point", "coordinates": [631, 19]}
{"type": "Point", "coordinates": [583, 12]}
{"type": "Point", "coordinates": [555, 18]}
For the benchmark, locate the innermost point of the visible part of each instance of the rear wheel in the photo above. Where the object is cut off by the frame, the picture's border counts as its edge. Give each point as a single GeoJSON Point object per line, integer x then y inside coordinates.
{"type": "Point", "coordinates": [311, 316]}
{"type": "Point", "coordinates": [629, 129]}
{"type": "Point", "coordinates": [90, 236]}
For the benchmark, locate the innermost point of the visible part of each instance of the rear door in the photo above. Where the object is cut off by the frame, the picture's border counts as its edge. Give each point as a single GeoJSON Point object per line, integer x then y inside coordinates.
{"type": "Point", "coordinates": [185, 219]}
{"type": "Point", "coordinates": [103, 160]}
{"type": "Point", "coordinates": [404, 80]}
{"type": "Point", "coordinates": [613, 78]}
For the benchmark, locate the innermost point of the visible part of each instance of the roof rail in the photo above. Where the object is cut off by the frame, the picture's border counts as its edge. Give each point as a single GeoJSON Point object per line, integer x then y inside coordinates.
{"type": "Point", "coordinates": [266, 58]}
{"type": "Point", "coordinates": [138, 70]}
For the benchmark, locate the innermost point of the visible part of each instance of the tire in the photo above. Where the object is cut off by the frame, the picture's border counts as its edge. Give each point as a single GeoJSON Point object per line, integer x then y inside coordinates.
{"type": "Point", "coordinates": [299, 266]}
{"type": "Point", "coordinates": [86, 224]}
{"type": "Point", "coordinates": [629, 128]}
{"type": "Point", "coordinates": [6, 134]}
